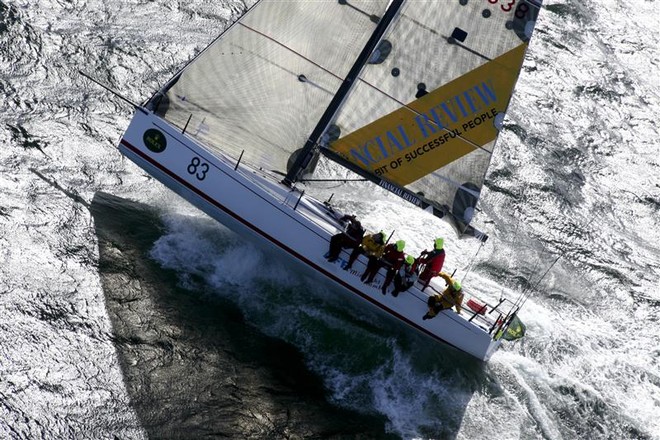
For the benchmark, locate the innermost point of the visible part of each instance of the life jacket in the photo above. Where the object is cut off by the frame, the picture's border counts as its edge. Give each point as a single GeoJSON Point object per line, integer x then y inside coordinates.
{"type": "Point", "coordinates": [393, 257]}
{"type": "Point", "coordinates": [433, 261]}
{"type": "Point", "coordinates": [447, 299]}
{"type": "Point", "coordinates": [371, 246]}
{"type": "Point", "coordinates": [451, 298]}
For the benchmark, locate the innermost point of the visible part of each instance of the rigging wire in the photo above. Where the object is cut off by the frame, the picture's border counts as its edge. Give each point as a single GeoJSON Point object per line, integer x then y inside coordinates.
{"type": "Point", "coordinates": [472, 260]}
{"type": "Point", "coordinates": [508, 265]}
{"type": "Point", "coordinates": [526, 297]}
{"type": "Point", "coordinates": [333, 180]}
{"type": "Point", "coordinates": [527, 293]}
{"type": "Point", "coordinates": [516, 232]}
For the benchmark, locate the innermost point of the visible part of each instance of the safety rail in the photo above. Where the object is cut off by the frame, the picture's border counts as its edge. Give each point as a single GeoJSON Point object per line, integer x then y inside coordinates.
{"type": "Point", "coordinates": [482, 312]}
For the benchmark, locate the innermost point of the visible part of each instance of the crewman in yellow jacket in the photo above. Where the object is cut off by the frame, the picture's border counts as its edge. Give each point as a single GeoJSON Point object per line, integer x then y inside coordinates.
{"type": "Point", "coordinates": [372, 245]}
{"type": "Point", "coordinates": [451, 297]}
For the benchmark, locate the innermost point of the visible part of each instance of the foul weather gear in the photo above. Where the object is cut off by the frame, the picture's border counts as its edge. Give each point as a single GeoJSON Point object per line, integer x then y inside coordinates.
{"type": "Point", "coordinates": [405, 277]}
{"type": "Point", "coordinates": [449, 298]}
{"type": "Point", "coordinates": [372, 246]}
{"type": "Point", "coordinates": [433, 262]}
{"type": "Point", "coordinates": [392, 259]}
{"type": "Point", "coordinates": [349, 239]}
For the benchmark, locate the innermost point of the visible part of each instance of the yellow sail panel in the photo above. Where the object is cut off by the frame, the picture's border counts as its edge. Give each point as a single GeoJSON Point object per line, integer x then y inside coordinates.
{"type": "Point", "coordinates": [438, 128]}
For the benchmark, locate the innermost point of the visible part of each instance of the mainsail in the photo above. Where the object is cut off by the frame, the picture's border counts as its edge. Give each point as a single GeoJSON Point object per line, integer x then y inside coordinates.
{"type": "Point", "coordinates": [420, 118]}
{"type": "Point", "coordinates": [260, 88]}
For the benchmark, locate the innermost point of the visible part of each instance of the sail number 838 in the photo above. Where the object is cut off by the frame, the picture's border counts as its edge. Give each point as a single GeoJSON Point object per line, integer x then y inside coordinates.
{"type": "Point", "coordinates": [198, 168]}
{"type": "Point", "coordinates": [507, 5]}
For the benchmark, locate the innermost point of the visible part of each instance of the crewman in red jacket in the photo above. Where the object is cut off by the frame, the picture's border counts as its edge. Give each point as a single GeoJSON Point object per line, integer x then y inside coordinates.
{"type": "Point", "coordinates": [392, 259]}
{"type": "Point", "coordinates": [432, 262]}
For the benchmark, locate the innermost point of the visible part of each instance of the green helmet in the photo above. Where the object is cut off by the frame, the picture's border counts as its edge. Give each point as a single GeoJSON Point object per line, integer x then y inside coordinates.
{"type": "Point", "coordinates": [400, 245]}
{"type": "Point", "coordinates": [410, 259]}
{"type": "Point", "coordinates": [439, 243]}
{"type": "Point", "coordinates": [456, 285]}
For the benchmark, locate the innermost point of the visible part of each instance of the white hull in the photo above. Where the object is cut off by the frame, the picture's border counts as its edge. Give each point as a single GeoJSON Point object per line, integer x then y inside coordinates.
{"type": "Point", "coordinates": [257, 206]}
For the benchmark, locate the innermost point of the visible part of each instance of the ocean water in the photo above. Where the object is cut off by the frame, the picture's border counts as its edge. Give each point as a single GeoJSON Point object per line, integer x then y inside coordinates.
{"type": "Point", "coordinates": [126, 313]}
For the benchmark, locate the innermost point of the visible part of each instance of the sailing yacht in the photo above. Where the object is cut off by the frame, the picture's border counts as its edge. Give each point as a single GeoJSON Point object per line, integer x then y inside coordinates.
{"type": "Point", "coordinates": [410, 95]}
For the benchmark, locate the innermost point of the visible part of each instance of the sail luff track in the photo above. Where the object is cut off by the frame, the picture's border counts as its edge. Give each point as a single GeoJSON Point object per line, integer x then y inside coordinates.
{"type": "Point", "coordinates": [342, 92]}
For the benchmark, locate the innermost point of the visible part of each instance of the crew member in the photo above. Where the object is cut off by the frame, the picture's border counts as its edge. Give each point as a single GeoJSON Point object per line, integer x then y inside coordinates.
{"type": "Point", "coordinates": [432, 262]}
{"type": "Point", "coordinates": [452, 296]}
{"type": "Point", "coordinates": [405, 277]}
{"type": "Point", "coordinates": [350, 238]}
{"type": "Point", "coordinates": [372, 246]}
{"type": "Point", "coordinates": [392, 259]}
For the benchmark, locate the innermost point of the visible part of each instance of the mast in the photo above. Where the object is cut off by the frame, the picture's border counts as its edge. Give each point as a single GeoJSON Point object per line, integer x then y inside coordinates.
{"type": "Point", "coordinates": [306, 153]}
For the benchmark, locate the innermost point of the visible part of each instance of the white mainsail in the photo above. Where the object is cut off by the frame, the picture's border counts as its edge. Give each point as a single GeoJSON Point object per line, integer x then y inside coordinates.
{"type": "Point", "coordinates": [262, 86]}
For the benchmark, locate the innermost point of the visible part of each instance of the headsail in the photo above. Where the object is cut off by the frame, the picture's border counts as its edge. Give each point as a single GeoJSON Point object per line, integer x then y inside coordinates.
{"type": "Point", "coordinates": [423, 120]}
{"type": "Point", "coordinates": [261, 87]}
